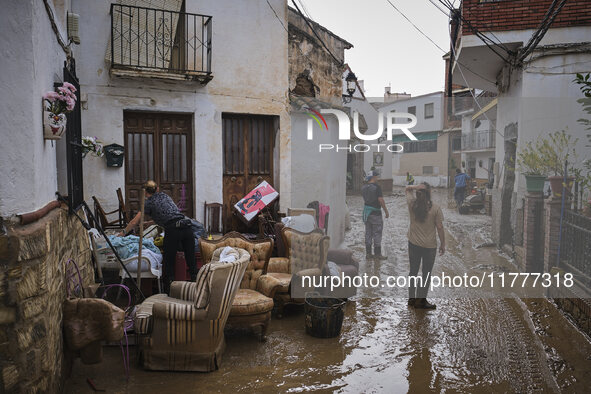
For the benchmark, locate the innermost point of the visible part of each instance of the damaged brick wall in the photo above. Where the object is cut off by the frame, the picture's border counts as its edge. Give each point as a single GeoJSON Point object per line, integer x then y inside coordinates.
{"type": "Point", "coordinates": [32, 290]}
{"type": "Point", "coordinates": [312, 70]}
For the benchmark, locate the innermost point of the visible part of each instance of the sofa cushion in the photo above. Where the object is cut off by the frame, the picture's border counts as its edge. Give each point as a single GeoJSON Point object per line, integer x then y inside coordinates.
{"type": "Point", "coordinates": [250, 302]}
{"type": "Point", "coordinates": [143, 314]}
{"type": "Point", "coordinates": [279, 264]}
{"type": "Point", "coordinates": [283, 280]}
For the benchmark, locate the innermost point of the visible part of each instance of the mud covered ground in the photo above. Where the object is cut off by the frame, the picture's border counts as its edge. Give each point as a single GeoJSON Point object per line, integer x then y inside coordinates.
{"type": "Point", "coordinates": [468, 344]}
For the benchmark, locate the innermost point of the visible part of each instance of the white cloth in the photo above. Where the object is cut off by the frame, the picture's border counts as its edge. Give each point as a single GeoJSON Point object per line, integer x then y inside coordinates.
{"type": "Point", "coordinates": [228, 255]}
{"type": "Point", "coordinates": [303, 223]}
{"type": "Point", "coordinates": [155, 260]}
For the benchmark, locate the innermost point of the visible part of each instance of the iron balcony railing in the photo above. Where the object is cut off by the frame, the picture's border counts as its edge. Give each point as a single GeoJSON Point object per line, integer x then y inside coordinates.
{"type": "Point", "coordinates": [160, 40]}
{"type": "Point", "coordinates": [478, 140]}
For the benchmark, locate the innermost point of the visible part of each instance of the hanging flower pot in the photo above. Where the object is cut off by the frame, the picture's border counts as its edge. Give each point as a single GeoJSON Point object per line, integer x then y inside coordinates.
{"type": "Point", "coordinates": [535, 183]}
{"type": "Point", "coordinates": [556, 183]}
{"type": "Point", "coordinates": [54, 125]}
{"type": "Point", "coordinates": [55, 107]}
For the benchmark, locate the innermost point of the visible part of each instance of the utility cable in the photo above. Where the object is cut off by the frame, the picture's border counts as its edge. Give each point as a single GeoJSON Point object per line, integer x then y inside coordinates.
{"type": "Point", "coordinates": [338, 61]}
{"type": "Point", "coordinates": [434, 43]}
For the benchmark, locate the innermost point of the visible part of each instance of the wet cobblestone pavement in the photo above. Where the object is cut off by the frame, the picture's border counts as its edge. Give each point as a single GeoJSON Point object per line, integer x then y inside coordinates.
{"type": "Point", "coordinates": [466, 345]}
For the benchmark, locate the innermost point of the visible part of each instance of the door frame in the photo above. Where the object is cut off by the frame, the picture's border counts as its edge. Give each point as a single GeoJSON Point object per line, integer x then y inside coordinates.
{"type": "Point", "coordinates": [191, 166]}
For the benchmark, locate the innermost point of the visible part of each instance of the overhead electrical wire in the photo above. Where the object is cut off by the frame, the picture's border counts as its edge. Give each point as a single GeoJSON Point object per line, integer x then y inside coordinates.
{"type": "Point", "coordinates": [434, 43]}
{"type": "Point", "coordinates": [338, 61]}
{"type": "Point", "coordinates": [486, 40]}
{"type": "Point", "coordinates": [535, 39]}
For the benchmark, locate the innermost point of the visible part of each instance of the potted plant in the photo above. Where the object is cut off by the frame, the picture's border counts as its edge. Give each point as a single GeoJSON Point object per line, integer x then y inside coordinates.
{"type": "Point", "coordinates": [55, 107]}
{"type": "Point", "coordinates": [555, 151]}
{"type": "Point", "coordinates": [532, 166]}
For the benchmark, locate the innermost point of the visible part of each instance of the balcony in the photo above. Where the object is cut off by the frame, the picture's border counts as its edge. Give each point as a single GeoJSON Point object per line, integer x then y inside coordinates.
{"type": "Point", "coordinates": [476, 141]}
{"type": "Point", "coordinates": [158, 43]}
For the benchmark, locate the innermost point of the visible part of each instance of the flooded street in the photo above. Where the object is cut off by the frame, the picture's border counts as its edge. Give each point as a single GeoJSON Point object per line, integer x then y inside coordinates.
{"type": "Point", "coordinates": [467, 344]}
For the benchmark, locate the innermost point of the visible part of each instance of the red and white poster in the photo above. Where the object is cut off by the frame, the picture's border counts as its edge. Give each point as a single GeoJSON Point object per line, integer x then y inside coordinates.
{"type": "Point", "coordinates": [257, 199]}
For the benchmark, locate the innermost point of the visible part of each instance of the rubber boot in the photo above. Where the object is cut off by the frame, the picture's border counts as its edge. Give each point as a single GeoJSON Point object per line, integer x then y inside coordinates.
{"type": "Point", "coordinates": [368, 254]}
{"type": "Point", "coordinates": [422, 303]}
{"type": "Point", "coordinates": [378, 255]}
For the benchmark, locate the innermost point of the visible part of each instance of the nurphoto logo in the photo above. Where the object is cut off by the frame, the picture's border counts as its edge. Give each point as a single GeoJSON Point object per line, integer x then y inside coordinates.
{"type": "Point", "coordinates": [402, 121]}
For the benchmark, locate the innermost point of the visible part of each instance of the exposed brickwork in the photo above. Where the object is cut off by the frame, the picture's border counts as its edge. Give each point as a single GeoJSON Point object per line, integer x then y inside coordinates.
{"type": "Point", "coordinates": [521, 14]}
{"type": "Point", "coordinates": [32, 291]}
{"type": "Point", "coordinates": [533, 240]}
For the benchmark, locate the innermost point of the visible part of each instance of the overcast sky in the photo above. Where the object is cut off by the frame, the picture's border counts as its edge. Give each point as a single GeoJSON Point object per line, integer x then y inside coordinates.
{"type": "Point", "coordinates": [387, 48]}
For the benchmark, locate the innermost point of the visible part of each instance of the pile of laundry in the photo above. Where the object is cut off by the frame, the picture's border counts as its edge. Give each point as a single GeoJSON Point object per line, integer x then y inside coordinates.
{"type": "Point", "coordinates": [129, 247]}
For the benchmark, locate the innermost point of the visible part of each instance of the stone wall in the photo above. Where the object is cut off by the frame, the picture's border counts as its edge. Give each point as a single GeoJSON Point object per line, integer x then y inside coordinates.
{"type": "Point", "coordinates": [32, 290]}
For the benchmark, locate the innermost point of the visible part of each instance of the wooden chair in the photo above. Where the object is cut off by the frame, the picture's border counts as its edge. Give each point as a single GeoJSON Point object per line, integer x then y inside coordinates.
{"type": "Point", "coordinates": [122, 208]}
{"type": "Point", "coordinates": [212, 219]}
{"type": "Point", "coordinates": [101, 216]}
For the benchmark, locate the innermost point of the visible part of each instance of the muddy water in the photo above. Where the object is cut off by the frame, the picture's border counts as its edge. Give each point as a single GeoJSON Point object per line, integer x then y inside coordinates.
{"type": "Point", "coordinates": [465, 345]}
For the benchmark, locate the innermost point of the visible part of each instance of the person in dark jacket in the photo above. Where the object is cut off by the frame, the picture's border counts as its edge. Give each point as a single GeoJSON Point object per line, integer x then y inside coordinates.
{"type": "Point", "coordinates": [372, 215]}
{"type": "Point", "coordinates": [461, 181]}
{"type": "Point", "coordinates": [177, 230]}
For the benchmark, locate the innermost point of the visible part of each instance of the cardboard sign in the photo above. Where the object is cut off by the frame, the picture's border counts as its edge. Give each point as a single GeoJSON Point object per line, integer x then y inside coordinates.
{"type": "Point", "coordinates": [255, 201]}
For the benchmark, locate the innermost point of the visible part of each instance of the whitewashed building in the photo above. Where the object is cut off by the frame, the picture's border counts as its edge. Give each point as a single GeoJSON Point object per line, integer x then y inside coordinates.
{"type": "Point", "coordinates": [427, 158]}
{"type": "Point", "coordinates": [533, 81]}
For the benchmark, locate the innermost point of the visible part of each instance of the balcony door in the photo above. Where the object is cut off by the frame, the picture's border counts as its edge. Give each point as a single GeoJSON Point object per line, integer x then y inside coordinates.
{"type": "Point", "coordinates": [159, 146]}
{"type": "Point", "coordinates": [248, 142]}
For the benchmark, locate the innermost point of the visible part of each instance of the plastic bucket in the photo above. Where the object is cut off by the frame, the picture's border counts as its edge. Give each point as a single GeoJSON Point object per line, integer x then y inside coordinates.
{"type": "Point", "coordinates": [324, 316]}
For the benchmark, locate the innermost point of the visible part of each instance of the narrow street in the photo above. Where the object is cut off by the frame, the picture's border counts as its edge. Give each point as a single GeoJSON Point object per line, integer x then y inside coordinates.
{"type": "Point", "coordinates": [479, 344]}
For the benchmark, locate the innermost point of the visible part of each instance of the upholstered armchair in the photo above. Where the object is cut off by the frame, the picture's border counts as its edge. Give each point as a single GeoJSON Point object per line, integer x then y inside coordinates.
{"type": "Point", "coordinates": [185, 331]}
{"type": "Point", "coordinates": [306, 255]}
{"type": "Point", "coordinates": [251, 308]}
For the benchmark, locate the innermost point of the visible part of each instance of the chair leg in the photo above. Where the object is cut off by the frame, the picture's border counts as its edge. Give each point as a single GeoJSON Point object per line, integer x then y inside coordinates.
{"type": "Point", "coordinates": [159, 280]}
{"type": "Point", "coordinates": [263, 332]}
{"type": "Point", "coordinates": [120, 288]}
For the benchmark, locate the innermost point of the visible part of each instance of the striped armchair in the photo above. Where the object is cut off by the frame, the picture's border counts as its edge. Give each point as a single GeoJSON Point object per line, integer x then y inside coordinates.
{"type": "Point", "coordinates": [251, 307]}
{"type": "Point", "coordinates": [185, 331]}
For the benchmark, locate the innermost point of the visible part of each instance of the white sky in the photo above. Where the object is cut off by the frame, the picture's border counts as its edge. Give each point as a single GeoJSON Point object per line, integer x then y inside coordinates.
{"type": "Point", "coordinates": [387, 48]}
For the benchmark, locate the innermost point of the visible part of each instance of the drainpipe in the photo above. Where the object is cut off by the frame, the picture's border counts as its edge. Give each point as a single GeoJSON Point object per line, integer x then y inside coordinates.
{"type": "Point", "coordinates": [31, 217]}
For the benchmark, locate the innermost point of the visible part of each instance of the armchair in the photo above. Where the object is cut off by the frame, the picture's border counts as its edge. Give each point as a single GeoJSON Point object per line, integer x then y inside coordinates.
{"type": "Point", "coordinates": [251, 307]}
{"type": "Point", "coordinates": [185, 331]}
{"type": "Point", "coordinates": [306, 255]}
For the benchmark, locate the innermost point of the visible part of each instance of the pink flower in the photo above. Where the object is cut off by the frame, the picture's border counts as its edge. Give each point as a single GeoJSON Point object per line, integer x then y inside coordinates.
{"type": "Point", "coordinates": [66, 92]}
{"type": "Point", "coordinates": [51, 96]}
{"type": "Point", "coordinates": [70, 104]}
{"type": "Point", "coordinates": [69, 86]}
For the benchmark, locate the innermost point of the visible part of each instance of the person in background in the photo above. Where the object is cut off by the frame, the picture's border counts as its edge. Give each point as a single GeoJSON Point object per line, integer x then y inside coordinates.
{"type": "Point", "coordinates": [177, 230]}
{"type": "Point", "coordinates": [410, 180]}
{"type": "Point", "coordinates": [372, 215]}
{"type": "Point", "coordinates": [425, 218]}
{"type": "Point", "coordinates": [461, 180]}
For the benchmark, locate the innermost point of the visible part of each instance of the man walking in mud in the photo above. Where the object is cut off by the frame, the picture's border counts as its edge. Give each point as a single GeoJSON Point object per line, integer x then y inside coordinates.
{"type": "Point", "coordinates": [372, 215]}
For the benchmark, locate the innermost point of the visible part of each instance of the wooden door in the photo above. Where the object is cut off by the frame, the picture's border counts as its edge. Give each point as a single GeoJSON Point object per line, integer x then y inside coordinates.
{"type": "Point", "coordinates": [248, 160]}
{"type": "Point", "coordinates": [159, 147]}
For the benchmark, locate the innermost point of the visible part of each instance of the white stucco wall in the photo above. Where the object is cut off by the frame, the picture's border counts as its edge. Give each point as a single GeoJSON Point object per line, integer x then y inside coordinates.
{"type": "Point", "coordinates": [319, 176]}
{"type": "Point", "coordinates": [31, 62]}
{"type": "Point", "coordinates": [542, 100]}
{"type": "Point", "coordinates": [244, 81]}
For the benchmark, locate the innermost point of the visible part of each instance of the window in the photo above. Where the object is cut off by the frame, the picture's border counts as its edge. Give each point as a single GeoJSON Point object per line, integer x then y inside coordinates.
{"type": "Point", "coordinates": [456, 143]}
{"type": "Point", "coordinates": [420, 146]}
{"type": "Point", "coordinates": [427, 170]}
{"type": "Point", "coordinates": [412, 110]}
{"type": "Point", "coordinates": [428, 110]}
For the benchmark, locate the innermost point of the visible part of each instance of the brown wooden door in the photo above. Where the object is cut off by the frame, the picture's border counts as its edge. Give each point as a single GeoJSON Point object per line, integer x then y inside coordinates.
{"type": "Point", "coordinates": [248, 160]}
{"type": "Point", "coordinates": [159, 147]}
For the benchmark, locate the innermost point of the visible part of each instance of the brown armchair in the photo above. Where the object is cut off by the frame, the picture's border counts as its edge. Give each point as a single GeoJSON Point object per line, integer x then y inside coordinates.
{"type": "Point", "coordinates": [185, 331]}
{"type": "Point", "coordinates": [251, 308]}
{"type": "Point", "coordinates": [306, 256]}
